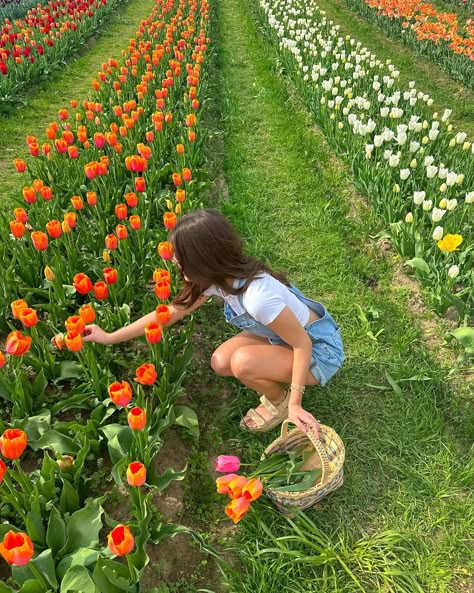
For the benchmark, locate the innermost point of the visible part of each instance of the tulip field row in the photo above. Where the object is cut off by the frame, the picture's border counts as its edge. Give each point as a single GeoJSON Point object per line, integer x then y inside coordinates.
{"type": "Point", "coordinates": [440, 36]}
{"type": "Point", "coordinates": [87, 242]}
{"type": "Point", "coordinates": [13, 9]}
{"type": "Point", "coordinates": [47, 34]}
{"type": "Point", "coordinates": [416, 170]}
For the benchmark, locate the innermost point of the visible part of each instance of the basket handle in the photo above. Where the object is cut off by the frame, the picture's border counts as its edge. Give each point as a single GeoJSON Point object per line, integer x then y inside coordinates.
{"type": "Point", "coordinates": [317, 444]}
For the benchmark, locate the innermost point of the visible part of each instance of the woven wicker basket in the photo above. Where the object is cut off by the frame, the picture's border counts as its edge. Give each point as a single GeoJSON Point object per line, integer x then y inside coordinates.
{"type": "Point", "coordinates": [328, 455]}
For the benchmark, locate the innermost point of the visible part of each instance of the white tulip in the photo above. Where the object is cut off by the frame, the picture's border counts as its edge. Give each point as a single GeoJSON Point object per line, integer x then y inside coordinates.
{"type": "Point", "coordinates": [404, 174]}
{"type": "Point", "coordinates": [438, 232]}
{"type": "Point", "coordinates": [437, 214]}
{"type": "Point", "coordinates": [394, 160]}
{"type": "Point", "coordinates": [429, 160]}
{"type": "Point", "coordinates": [460, 137]}
{"type": "Point", "coordinates": [431, 170]}
{"type": "Point", "coordinates": [409, 217]}
{"type": "Point", "coordinates": [418, 197]}
{"type": "Point", "coordinates": [451, 204]}
{"type": "Point", "coordinates": [451, 178]}
{"type": "Point", "coordinates": [446, 114]}
{"type": "Point", "coordinates": [453, 272]}
{"type": "Point", "coordinates": [427, 205]}
{"type": "Point", "coordinates": [470, 197]}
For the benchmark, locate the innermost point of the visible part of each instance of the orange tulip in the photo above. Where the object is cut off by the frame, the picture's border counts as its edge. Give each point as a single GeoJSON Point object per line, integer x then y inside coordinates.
{"type": "Point", "coordinates": [146, 374]}
{"type": "Point", "coordinates": [237, 508]}
{"type": "Point", "coordinates": [75, 323]}
{"type": "Point", "coordinates": [17, 228]}
{"type": "Point", "coordinates": [87, 313]}
{"type": "Point", "coordinates": [17, 306]}
{"type": "Point", "coordinates": [153, 332]}
{"type": "Point", "coordinates": [120, 393]}
{"type": "Point", "coordinates": [17, 344]}
{"type": "Point", "coordinates": [63, 114]}
{"type": "Point", "coordinates": [137, 418]}
{"type": "Point", "coordinates": [20, 165]}
{"type": "Point", "coordinates": [162, 290]}
{"type": "Point", "coordinates": [180, 195]}
{"type": "Point", "coordinates": [77, 203]}
{"type": "Point", "coordinates": [65, 462]}
{"type": "Point", "coordinates": [191, 135]}
{"type": "Point", "coordinates": [161, 275]}
{"type": "Point", "coordinates": [49, 274]}
{"type": "Point", "coordinates": [91, 198]}
{"type": "Point", "coordinates": [187, 175]}
{"type": "Point", "coordinates": [165, 250]}
{"type": "Point", "coordinates": [136, 474]}
{"type": "Point", "coordinates": [190, 120]}
{"type": "Point", "coordinates": [61, 145]}
{"type": "Point", "coordinates": [177, 179]}
{"type": "Point", "coordinates": [100, 290]}
{"type": "Point", "coordinates": [3, 469]}
{"type": "Point", "coordinates": [110, 275]}
{"type": "Point", "coordinates": [121, 211]}
{"type": "Point", "coordinates": [29, 194]}
{"type": "Point", "coordinates": [111, 242]}
{"type": "Point", "coordinates": [135, 222]}
{"type": "Point", "coordinates": [180, 148]}
{"type": "Point", "coordinates": [163, 314]}
{"type": "Point", "coordinates": [131, 199]}
{"type": "Point", "coordinates": [2, 359]}
{"type": "Point", "coordinates": [17, 548]}
{"type": "Point", "coordinates": [235, 486]}
{"type": "Point", "coordinates": [73, 152]}
{"type": "Point", "coordinates": [40, 240]}
{"type": "Point", "coordinates": [58, 341]}
{"type": "Point", "coordinates": [121, 231]}
{"type": "Point", "coordinates": [82, 283]}
{"type": "Point", "coordinates": [169, 220]}
{"type": "Point", "coordinates": [91, 170]}
{"type": "Point", "coordinates": [54, 229]}
{"type": "Point", "coordinates": [252, 489]}
{"type": "Point", "coordinates": [73, 341]}
{"type": "Point", "coordinates": [222, 483]}
{"type": "Point", "coordinates": [120, 540]}
{"type": "Point", "coordinates": [70, 219]}
{"type": "Point", "coordinates": [13, 442]}
{"type": "Point", "coordinates": [20, 215]}
{"type": "Point", "coordinates": [28, 317]}
{"type": "Point", "coordinates": [140, 184]}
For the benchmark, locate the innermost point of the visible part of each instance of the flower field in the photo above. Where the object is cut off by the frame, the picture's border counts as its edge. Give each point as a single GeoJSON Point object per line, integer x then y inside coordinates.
{"type": "Point", "coordinates": [446, 38]}
{"type": "Point", "coordinates": [85, 240]}
{"type": "Point", "coordinates": [39, 42]}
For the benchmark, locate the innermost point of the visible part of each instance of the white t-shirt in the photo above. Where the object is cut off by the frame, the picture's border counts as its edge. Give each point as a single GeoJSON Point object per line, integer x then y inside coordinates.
{"type": "Point", "coordinates": [264, 300]}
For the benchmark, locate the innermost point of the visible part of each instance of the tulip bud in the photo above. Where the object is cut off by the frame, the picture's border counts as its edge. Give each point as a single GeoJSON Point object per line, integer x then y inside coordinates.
{"type": "Point", "coordinates": [409, 217]}
{"type": "Point", "coordinates": [443, 188]}
{"type": "Point", "coordinates": [396, 189]}
{"type": "Point", "coordinates": [438, 233]}
{"type": "Point", "coordinates": [453, 272]}
{"type": "Point", "coordinates": [49, 274]}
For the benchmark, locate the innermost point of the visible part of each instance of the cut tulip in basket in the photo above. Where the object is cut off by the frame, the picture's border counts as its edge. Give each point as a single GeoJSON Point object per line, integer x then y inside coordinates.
{"type": "Point", "coordinates": [296, 471]}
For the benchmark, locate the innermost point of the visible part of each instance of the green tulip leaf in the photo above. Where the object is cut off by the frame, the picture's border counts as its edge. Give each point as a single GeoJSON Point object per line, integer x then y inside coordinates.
{"type": "Point", "coordinates": [187, 417]}
{"type": "Point", "coordinates": [419, 264]}
{"type": "Point", "coordinates": [84, 526]}
{"type": "Point", "coordinates": [44, 563]}
{"type": "Point", "coordinates": [465, 336]}
{"type": "Point", "coordinates": [162, 482]}
{"type": "Point", "coordinates": [77, 580]}
{"type": "Point", "coordinates": [58, 442]}
{"type": "Point", "coordinates": [56, 532]}
{"type": "Point", "coordinates": [80, 557]}
{"type": "Point", "coordinates": [69, 499]}
{"type": "Point", "coordinates": [112, 577]}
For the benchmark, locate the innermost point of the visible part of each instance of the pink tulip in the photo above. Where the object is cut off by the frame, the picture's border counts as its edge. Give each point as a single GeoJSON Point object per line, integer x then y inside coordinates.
{"type": "Point", "coordinates": [227, 464]}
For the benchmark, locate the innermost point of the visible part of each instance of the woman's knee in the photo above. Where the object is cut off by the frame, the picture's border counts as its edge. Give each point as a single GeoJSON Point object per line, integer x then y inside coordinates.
{"type": "Point", "coordinates": [220, 364]}
{"type": "Point", "coordinates": [242, 364]}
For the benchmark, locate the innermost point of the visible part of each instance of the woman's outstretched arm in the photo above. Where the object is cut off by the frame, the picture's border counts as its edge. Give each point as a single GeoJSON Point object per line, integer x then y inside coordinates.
{"type": "Point", "coordinates": [94, 333]}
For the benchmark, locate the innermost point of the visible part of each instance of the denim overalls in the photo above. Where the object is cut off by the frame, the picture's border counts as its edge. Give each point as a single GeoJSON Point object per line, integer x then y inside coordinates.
{"type": "Point", "coordinates": [328, 353]}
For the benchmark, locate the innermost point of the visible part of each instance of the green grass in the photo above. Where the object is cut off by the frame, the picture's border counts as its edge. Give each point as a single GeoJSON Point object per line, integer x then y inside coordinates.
{"type": "Point", "coordinates": [430, 78]}
{"type": "Point", "coordinates": [403, 519]}
{"type": "Point", "coordinates": [44, 100]}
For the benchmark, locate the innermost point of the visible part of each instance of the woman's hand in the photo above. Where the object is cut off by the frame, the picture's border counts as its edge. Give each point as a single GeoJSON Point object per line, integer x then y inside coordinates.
{"type": "Point", "coordinates": [93, 333]}
{"type": "Point", "coordinates": [301, 418]}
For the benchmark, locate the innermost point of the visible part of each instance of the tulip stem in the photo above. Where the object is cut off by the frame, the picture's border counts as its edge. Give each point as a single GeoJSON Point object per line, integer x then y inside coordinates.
{"type": "Point", "coordinates": [23, 478]}
{"type": "Point", "coordinates": [39, 576]}
{"type": "Point", "coordinates": [131, 568]}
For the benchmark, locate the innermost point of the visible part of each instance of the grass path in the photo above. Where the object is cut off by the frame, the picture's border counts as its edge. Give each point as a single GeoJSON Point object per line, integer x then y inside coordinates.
{"type": "Point", "coordinates": [74, 82]}
{"type": "Point", "coordinates": [407, 471]}
{"type": "Point", "coordinates": [430, 78]}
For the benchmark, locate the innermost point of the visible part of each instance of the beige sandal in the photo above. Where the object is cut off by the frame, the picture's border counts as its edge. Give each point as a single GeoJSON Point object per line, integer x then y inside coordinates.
{"type": "Point", "coordinates": [279, 413]}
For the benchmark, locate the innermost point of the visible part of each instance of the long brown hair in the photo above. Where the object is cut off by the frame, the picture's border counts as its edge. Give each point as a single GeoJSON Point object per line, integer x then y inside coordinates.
{"type": "Point", "coordinates": [209, 252]}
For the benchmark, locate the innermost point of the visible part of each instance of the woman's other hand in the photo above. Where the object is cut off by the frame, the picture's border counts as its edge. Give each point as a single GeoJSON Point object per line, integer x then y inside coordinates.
{"type": "Point", "coordinates": [303, 419]}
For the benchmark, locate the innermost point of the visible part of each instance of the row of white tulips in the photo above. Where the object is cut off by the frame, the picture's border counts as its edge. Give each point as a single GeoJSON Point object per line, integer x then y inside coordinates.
{"type": "Point", "coordinates": [411, 163]}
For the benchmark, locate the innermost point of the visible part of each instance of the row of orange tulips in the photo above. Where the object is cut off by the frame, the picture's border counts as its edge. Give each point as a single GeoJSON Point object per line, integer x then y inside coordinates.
{"type": "Point", "coordinates": [440, 36]}
{"type": "Point", "coordinates": [106, 184]}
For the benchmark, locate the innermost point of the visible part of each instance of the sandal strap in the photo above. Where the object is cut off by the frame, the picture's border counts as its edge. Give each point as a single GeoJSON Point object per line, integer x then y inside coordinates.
{"type": "Point", "coordinates": [255, 416]}
{"type": "Point", "coordinates": [274, 411]}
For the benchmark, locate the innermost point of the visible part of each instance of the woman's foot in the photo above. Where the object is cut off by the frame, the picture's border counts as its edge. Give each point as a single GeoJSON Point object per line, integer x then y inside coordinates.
{"type": "Point", "coordinates": [268, 415]}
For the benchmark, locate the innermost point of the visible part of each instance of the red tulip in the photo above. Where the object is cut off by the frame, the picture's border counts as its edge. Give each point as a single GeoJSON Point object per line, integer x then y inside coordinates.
{"type": "Point", "coordinates": [169, 220]}
{"type": "Point", "coordinates": [20, 215]}
{"type": "Point", "coordinates": [135, 222]}
{"type": "Point", "coordinates": [136, 474]}
{"type": "Point", "coordinates": [163, 314]}
{"type": "Point", "coordinates": [120, 393]}
{"type": "Point", "coordinates": [111, 242]}
{"type": "Point", "coordinates": [132, 199]}
{"type": "Point", "coordinates": [187, 176]}
{"type": "Point", "coordinates": [91, 198]}
{"type": "Point", "coordinates": [54, 229]}
{"type": "Point", "coordinates": [177, 180]}
{"type": "Point", "coordinates": [163, 290]}
{"type": "Point", "coordinates": [160, 274]}
{"type": "Point", "coordinates": [28, 317]}
{"type": "Point", "coordinates": [17, 548]}
{"type": "Point", "coordinates": [82, 283]}
{"type": "Point", "coordinates": [2, 359]}
{"type": "Point", "coordinates": [3, 469]}
{"type": "Point", "coordinates": [120, 540]}
{"type": "Point", "coordinates": [100, 290]}
{"type": "Point", "coordinates": [30, 195]}
{"type": "Point", "coordinates": [140, 184]}
{"type": "Point", "coordinates": [153, 332]}
{"type": "Point", "coordinates": [70, 219]}
{"type": "Point", "coordinates": [137, 418]}
{"type": "Point", "coordinates": [20, 165]}
{"type": "Point", "coordinates": [121, 231]}
{"type": "Point", "coordinates": [165, 250]}
{"type": "Point", "coordinates": [121, 211]}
